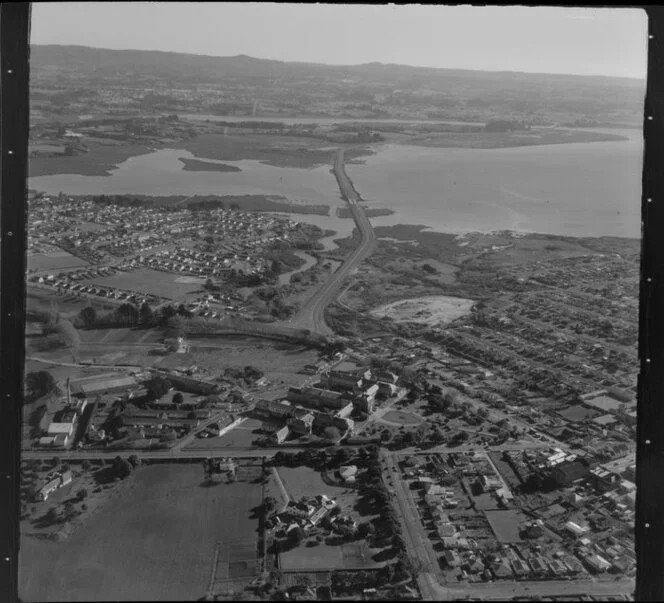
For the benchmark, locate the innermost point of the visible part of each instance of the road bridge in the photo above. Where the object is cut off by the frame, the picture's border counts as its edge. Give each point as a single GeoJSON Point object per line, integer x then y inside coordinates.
{"type": "Point", "coordinates": [311, 314]}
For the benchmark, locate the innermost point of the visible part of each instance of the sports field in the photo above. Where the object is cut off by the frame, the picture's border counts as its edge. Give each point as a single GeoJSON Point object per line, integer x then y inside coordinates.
{"type": "Point", "coordinates": [157, 542]}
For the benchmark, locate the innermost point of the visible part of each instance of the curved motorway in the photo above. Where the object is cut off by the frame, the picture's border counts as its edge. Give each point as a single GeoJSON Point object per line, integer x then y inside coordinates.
{"type": "Point", "coordinates": [311, 315]}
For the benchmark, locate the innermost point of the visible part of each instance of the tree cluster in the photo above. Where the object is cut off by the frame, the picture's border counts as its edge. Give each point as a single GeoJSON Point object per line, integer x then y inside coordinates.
{"type": "Point", "coordinates": [38, 384]}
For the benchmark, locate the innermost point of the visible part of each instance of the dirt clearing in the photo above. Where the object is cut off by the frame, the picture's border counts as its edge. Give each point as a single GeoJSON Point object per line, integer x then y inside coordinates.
{"type": "Point", "coordinates": [430, 311]}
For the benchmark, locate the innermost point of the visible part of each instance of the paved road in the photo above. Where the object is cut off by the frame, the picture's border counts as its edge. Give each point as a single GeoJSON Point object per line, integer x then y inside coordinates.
{"type": "Point", "coordinates": [505, 590]}
{"type": "Point", "coordinates": [418, 543]}
{"type": "Point", "coordinates": [311, 315]}
{"type": "Point", "coordinates": [155, 454]}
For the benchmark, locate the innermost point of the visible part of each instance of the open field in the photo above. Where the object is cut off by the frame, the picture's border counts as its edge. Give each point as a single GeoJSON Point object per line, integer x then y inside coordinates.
{"type": "Point", "coordinates": [54, 261]}
{"type": "Point", "coordinates": [121, 336]}
{"type": "Point", "coordinates": [280, 362]}
{"type": "Point", "coordinates": [41, 300]}
{"type": "Point", "coordinates": [154, 282]}
{"type": "Point", "coordinates": [578, 413]}
{"type": "Point", "coordinates": [429, 311]}
{"type": "Point", "coordinates": [506, 524]}
{"type": "Point", "coordinates": [155, 543]}
{"type": "Point", "coordinates": [60, 373]}
{"type": "Point", "coordinates": [400, 417]}
{"type": "Point", "coordinates": [604, 403]}
{"type": "Point", "coordinates": [324, 557]}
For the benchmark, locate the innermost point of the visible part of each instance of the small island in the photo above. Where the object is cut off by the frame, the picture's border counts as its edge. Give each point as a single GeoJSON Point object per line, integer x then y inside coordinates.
{"type": "Point", "coordinates": [196, 165]}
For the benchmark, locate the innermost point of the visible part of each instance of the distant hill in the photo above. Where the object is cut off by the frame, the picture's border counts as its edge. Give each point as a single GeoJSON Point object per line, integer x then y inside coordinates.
{"type": "Point", "coordinates": [450, 91]}
{"type": "Point", "coordinates": [83, 58]}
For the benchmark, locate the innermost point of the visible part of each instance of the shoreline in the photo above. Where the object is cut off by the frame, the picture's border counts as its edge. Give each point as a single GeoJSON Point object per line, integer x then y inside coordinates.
{"type": "Point", "coordinates": [409, 232]}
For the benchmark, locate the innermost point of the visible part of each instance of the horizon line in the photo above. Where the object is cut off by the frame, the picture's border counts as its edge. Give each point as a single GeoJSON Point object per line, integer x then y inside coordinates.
{"type": "Point", "coordinates": [485, 70]}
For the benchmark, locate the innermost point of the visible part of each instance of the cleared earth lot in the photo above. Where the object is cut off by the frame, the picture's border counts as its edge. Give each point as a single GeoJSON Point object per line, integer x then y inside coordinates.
{"type": "Point", "coordinates": [155, 543]}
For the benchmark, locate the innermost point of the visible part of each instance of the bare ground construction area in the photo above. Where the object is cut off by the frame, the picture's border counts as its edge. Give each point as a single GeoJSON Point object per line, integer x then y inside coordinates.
{"type": "Point", "coordinates": [430, 311]}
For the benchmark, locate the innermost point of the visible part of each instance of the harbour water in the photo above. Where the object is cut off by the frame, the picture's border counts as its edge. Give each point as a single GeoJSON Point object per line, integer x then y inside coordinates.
{"type": "Point", "coordinates": [578, 189]}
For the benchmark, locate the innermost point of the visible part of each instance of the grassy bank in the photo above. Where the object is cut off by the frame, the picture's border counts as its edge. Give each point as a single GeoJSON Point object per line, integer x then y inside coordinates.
{"type": "Point", "coordinates": [98, 161]}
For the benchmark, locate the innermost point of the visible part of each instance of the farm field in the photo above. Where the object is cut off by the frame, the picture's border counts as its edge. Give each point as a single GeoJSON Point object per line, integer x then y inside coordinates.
{"type": "Point", "coordinates": [152, 282]}
{"type": "Point", "coordinates": [156, 542]}
{"type": "Point", "coordinates": [54, 261]}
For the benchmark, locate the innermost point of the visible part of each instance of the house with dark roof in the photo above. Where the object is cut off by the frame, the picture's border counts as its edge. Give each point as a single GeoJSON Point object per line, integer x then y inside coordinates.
{"type": "Point", "coordinates": [452, 558]}
{"type": "Point", "coordinates": [519, 568]}
{"type": "Point", "coordinates": [270, 409]}
{"type": "Point", "coordinates": [567, 472]}
{"type": "Point", "coordinates": [301, 425]}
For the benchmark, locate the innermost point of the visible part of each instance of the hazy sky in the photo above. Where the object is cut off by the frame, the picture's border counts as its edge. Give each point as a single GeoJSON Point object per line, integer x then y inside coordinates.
{"type": "Point", "coordinates": [546, 40]}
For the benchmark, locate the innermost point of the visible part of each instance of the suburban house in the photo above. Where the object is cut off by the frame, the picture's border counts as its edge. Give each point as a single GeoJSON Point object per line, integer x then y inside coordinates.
{"type": "Point", "coordinates": [452, 558]}
{"type": "Point", "coordinates": [446, 530]}
{"type": "Point", "coordinates": [348, 473]}
{"type": "Point", "coordinates": [569, 471]}
{"type": "Point", "coordinates": [60, 480]}
{"type": "Point", "coordinates": [489, 483]}
{"type": "Point", "coordinates": [519, 568]}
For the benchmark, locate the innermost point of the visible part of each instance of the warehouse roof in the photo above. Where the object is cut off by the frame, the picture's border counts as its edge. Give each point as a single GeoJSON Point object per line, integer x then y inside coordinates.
{"type": "Point", "coordinates": [102, 384]}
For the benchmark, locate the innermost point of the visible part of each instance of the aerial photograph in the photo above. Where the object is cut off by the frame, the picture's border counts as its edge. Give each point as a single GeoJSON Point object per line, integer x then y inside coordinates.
{"type": "Point", "coordinates": [331, 302]}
